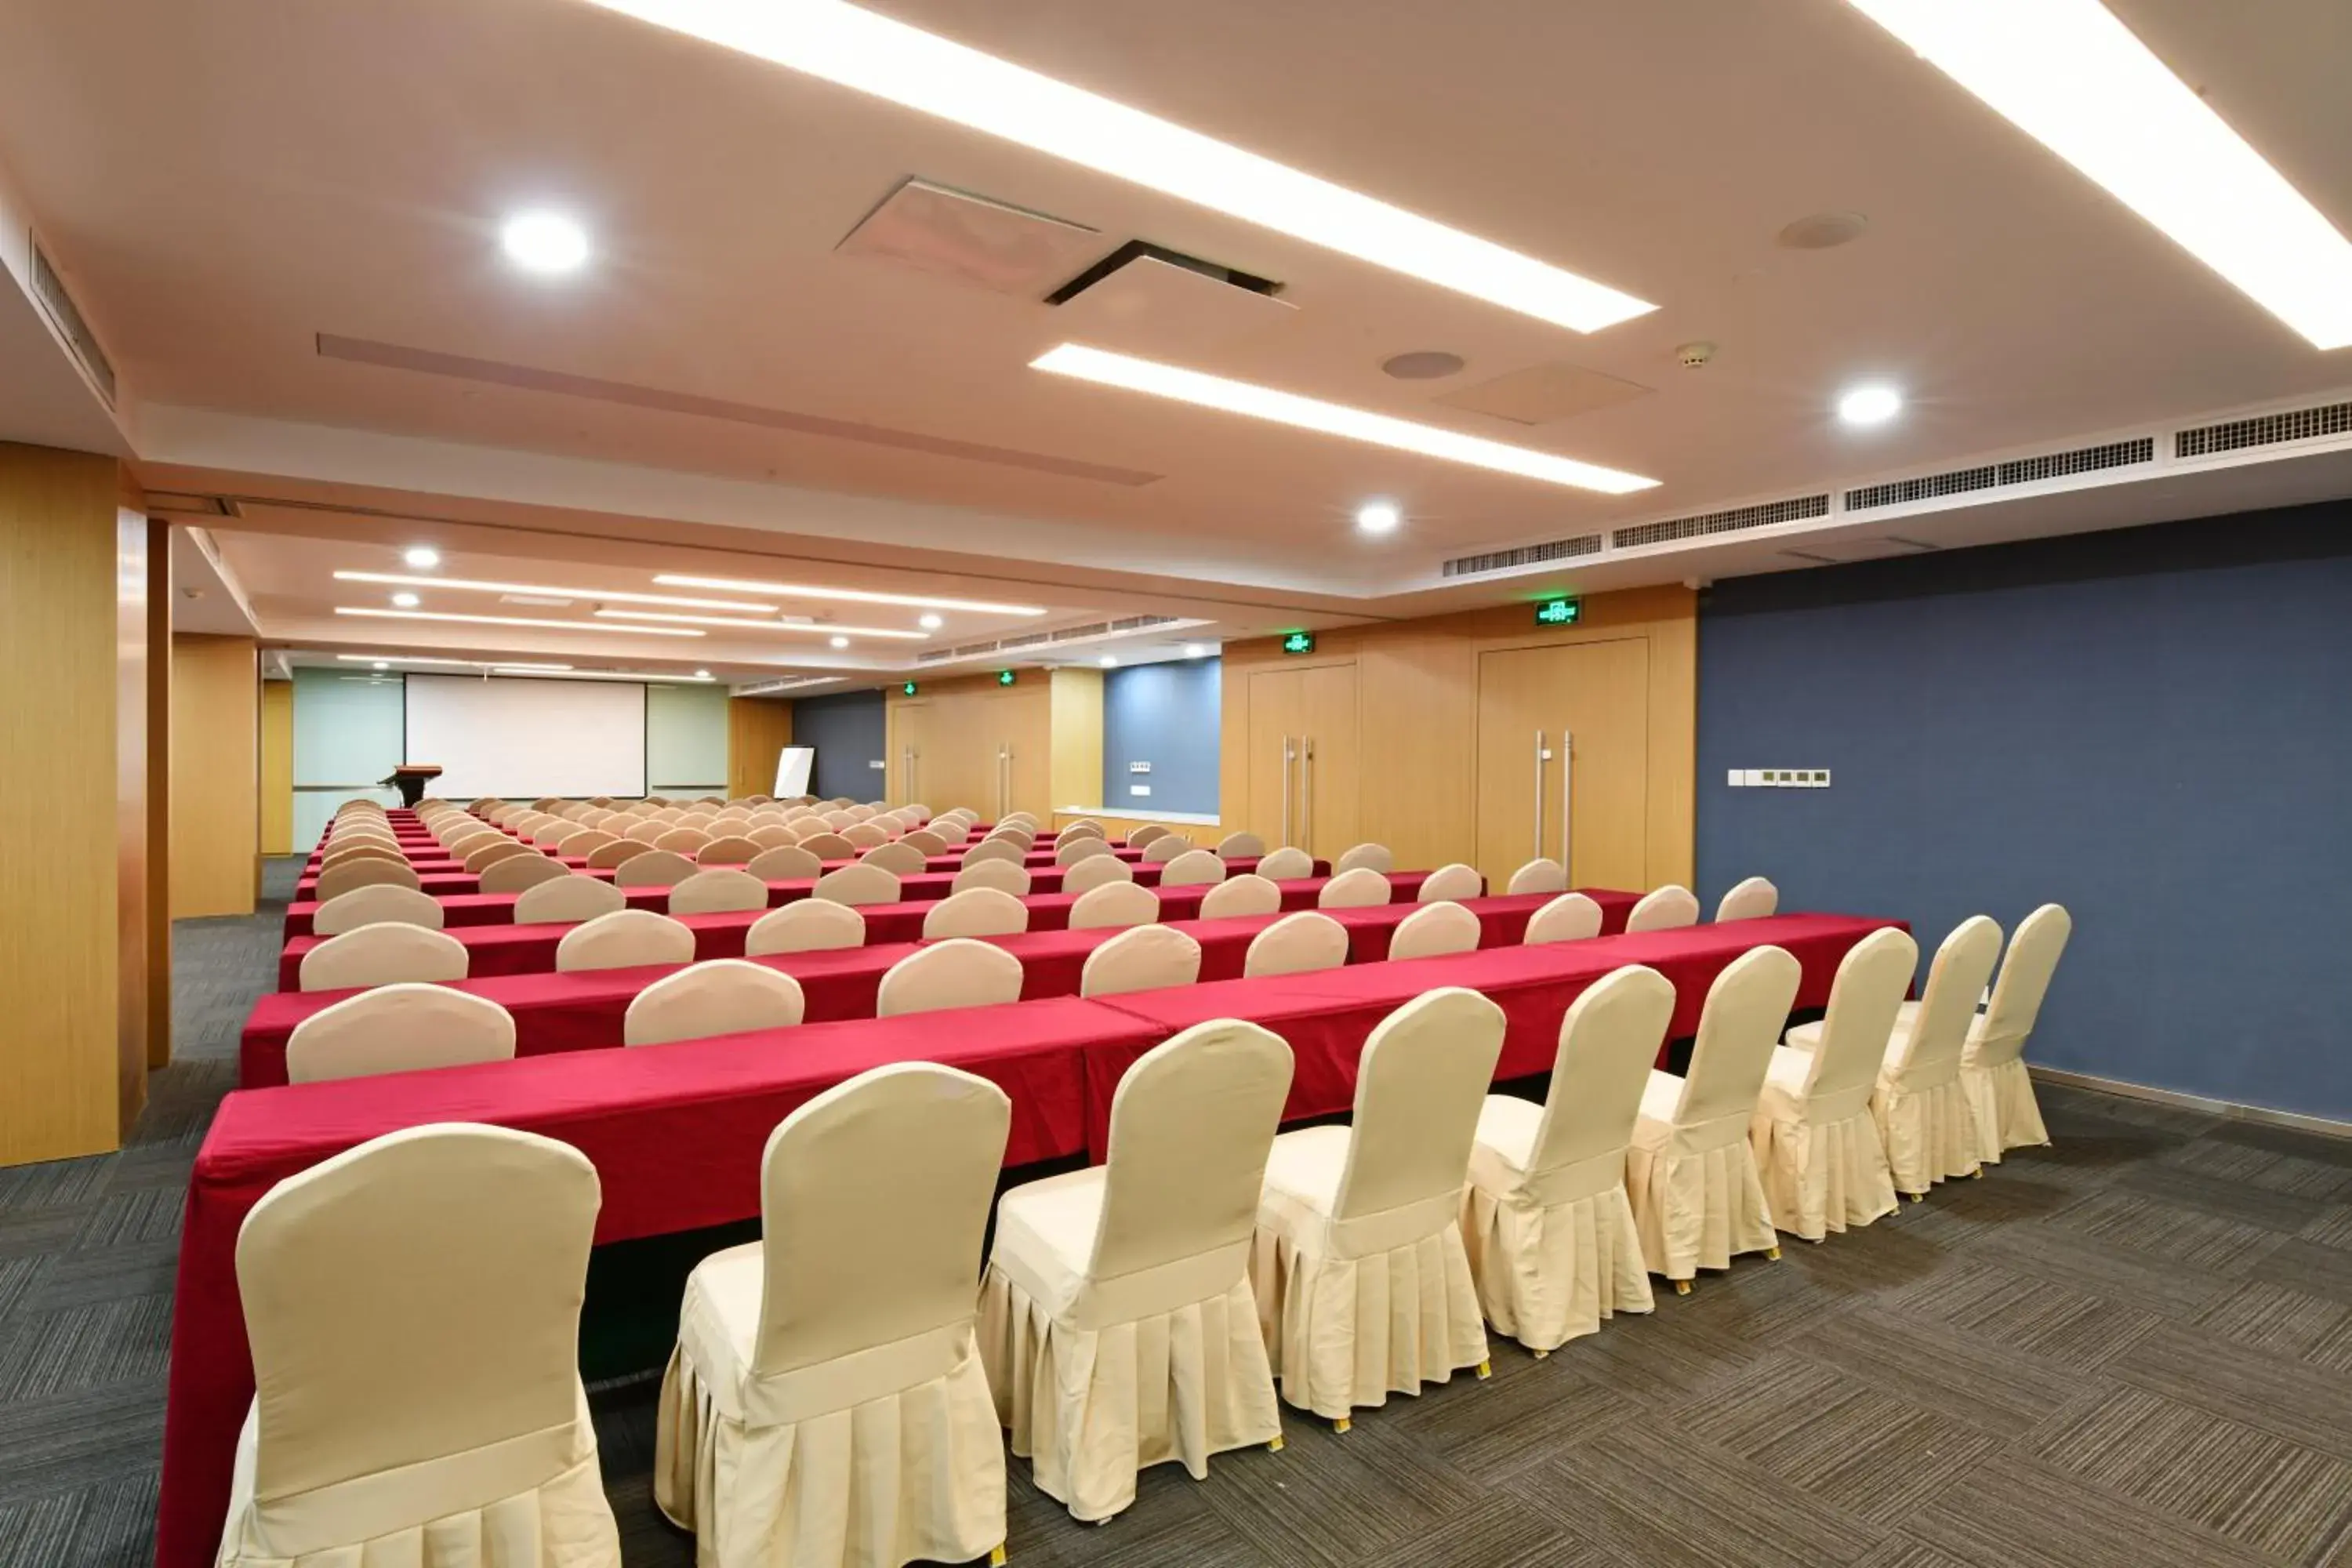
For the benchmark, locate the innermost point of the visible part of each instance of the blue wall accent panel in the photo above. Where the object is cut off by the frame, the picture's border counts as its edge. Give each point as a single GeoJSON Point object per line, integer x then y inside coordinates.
{"type": "Point", "coordinates": [850, 732]}
{"type": "Point", "coordinates": [1164, 714]}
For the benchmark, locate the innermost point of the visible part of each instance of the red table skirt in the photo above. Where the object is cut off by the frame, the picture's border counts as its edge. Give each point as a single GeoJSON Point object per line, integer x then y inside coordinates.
{"type": "Point", "coordinates": [429, 860]}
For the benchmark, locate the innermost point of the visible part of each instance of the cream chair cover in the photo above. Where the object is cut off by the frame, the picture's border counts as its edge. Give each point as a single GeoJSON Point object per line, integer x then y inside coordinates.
{"type": "Point", "coordinates": [1697, 1198]}
{"type": "Point", "coordinates": [1241, 846]}
{"type": "Point", "coordinates": [1286, 865]}
{"type": "Point", "coordinates": [857, 885]}
{"type": "Point", "coordinates": [1296, 944]}
{"type": "Point", "coordinates": [1117, 901]}
{"type": "Point", "coordinates": [402, 1028]}
{"type": "Point", "coordinates": [1451, 883]}
{"type": "Point", "coordinates": [624, 939]}
{"type": "Point", "coordinates": [1540, 876]}
{"type": "Point", "coordinates": [1669, 908]}
{"type": "Point", "coordinates": [569, 900]}
{"type": "Point", "coordinates": [383, 954]}
{"type": "Point", "coordinates": [1146, 958]}
{"type": "Point", "coordinates": [1572, 917]}
{"type": "Point", "coordinates": [341, 878]}
{"type": "Point", "coordinates": [1993, 1063]}
{"type": "Point", "coordinates": [585, 843]}
{"type": "Point", "coordinates": [1096, 871]}
{"type": "Point", "coordinates": [646, 831]}
{"type": "Point", "coordinates": [683, 840]}
{"type": "Point", "coordinates": [519, 873]}
{"type": "Point", "coordinates": [610, 857]}
{"type": "Point", "coordinates": [1550, 1232]}
{"type": "Point", "coordinates": [1751, 900]}
{"type": "Point", "coordinates": [718, 996]}
{"type": "Point", "coordinates": [773, 836]}
{"type": "Point", "coordinates": [717, 891]}
{"type": "Point", "coordinates": [1434, 930]}
{"type": "Point", "coordinates": [1815, 1141]}
{"type": "Point", "coordinates": [1359, 888]}
{"type": "Point", "coordinates": [901, 859]}
{"type": "Point", "coordinates": [825, 1406]}
{"type": "Point", "coordinates": [826, 846]}
{"type": "Point", "coordinates": [998, 875]}
{"type": "Point", "coordinates": [1083, 828]}
{"type": "Point", "coordinates": [786, 863]}
{"type": "Point", "coordinates": [867, 835]}
{"type": "Point", "coordinates": [1165, 848]}
{"type": "Point", "coordinates": [352, 848]}
{"type": "Point", "coordinates": [414, 1310]}
{"type": "Point", "coordinates": [734, 850]}
{"type": "Point", "coordinates": [1192, 869]}
{"type": "Point", "coordinates": [653, 868]}
{"type": "Point", "coordinates": [1142, 837]}
{"type": "Point", "coordinates": [976, 912]}
{"type": "Point", "coordinates": [1004, 851]}
{"type": "Point", "coordinates": [1363, 1286]}
{"type": "Point", "coordinates": [504, 849]}
{"type": "Point", "coordinates": [926, 842]}
{"type": "Point", "coordinates": [1069, 851]}
{"type": "Point", "coordinates": [1922, 1110]}
{"type": "Point", "coordinates": [957, 972]}
{"type": "Point", "coordinates": [1367, 857]}
{"type": "Point", "coordinates": [1247, 894]}
{"type": "Point", "coordinates": [1117, 1320]}
{"type": "Point", "coordinates": [377, 906]}
{"type": "Point", "coordinates": [809, 925]}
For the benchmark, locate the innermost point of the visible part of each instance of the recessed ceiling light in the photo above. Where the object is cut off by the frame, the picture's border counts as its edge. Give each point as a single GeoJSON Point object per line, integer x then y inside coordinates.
{"type": "Point", "coordinates": [380, 664]}
{"type": "Point", "coordinates": [552, 594]}
{"type": "Point", "coordinates": [421, 659]}
{"type": "Point", "coordinates": [847, 595]}
{"type": "Point", "coordinates": [419, 557]}
{"type": "Point", "coordinates": [589, 674]}
{"type": "Point", "coordinates": [1108, 662]}
{"type": "Point", "coordinates": [544, 242]}
{"type": "Point", "coordinates": [1870, 404]}
{"type": "Point", "coordinates": [1423, 365]}
{"type": "Point", "coordinates": [930, 623]}
{"type": "Point", "coordinates": [1379, 517]}
{"type": "Point", "coordinates": [840, 642]}
{"type": "Point", "coordinates": [513, 621]}
{"type": "Point", "coordinates": [922, 71]}
{"type": "Point", "coordinates": [1330, 418]}
{"type": "Point", "coordinates": [406, 601]}
{"type": "Point", "coordinates": [668, 618]}
{"type": "Point", "coordinates": [2073, 77]}
{"type": "Point", "coordinates": [701, 675]}
{"type": "Point", "coordinates": [1196, 650]}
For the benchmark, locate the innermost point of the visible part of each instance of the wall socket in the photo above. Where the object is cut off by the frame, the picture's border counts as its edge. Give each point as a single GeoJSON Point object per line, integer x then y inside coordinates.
{"type": "Point", "coordinates": [1139, 767]}
{"type": "Point", "coordinates": [1778, 778]}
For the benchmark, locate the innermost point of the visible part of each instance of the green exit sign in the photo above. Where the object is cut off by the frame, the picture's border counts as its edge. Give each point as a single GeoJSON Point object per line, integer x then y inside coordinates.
{"type": "Point", "coordinates": [1564, 612]}
{"type": "Point", "coordinates": [1298, 642]}
{"type": "Point", "coordinates": [1003, 678]}
{"type": "Point", "coordinates": [907, 689]}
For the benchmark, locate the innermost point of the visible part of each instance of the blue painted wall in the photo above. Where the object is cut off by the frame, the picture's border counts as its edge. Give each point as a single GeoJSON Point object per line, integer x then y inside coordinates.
{"type": "Point", "coordinates": [849, 734]}
{"type": "Point", "coordinates": [1164, 714]}
{"type": "Point", "coordinates": [2151, 726]}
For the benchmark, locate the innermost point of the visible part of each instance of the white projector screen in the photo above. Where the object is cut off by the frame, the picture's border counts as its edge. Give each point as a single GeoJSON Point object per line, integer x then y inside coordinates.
{"type": "Point", "coordinates": [511, 736]}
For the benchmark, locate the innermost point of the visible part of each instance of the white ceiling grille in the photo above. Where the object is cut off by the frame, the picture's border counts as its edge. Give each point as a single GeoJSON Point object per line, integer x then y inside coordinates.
{"type": "Point", "coordinates": [1137, 623]}
{"type": "Point", "coordinates": [796, 683]}
{"type": "Point", "coordinates": [1765, 514]}
{"type": "Point", "coordinates": [1525, 555]}
{"type": "Point", "coordinates": [2265, 430]}
{"type": "Point", "coordinates": [1994, 475]}
{"type": "Point", "coordinates": [1042, 640]}
{"type": "Point", "coordinates": [50, 290]}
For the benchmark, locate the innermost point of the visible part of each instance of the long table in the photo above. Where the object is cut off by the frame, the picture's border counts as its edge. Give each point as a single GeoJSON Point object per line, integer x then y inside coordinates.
{"type": "Point", "coordinates": [925, 884]}
{"type": "Point", "coordinates": [432, 860]}
{"type": "Point", "coordinates": [584, 1010]}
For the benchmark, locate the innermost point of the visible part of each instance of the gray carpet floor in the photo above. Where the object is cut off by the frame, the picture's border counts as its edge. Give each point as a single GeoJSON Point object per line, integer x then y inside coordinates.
{"type": "Point", "coordinates": [2132, 1349]}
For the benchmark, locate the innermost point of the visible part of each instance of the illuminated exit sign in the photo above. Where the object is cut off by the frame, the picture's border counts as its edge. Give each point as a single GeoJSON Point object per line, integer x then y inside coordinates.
{"type": "Point", "coordinates": [909, 688]}
{"type": "Point", "coordinates": [1003, 678]}
{"type": "Point", "coordinates": [1558, 611]}
{"type": "Point", "coordinates": [1298, 642]}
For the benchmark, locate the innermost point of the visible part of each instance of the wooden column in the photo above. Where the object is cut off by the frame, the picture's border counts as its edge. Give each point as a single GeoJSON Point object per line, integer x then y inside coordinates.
{"type": "Point", "coordinates": [758, 730]}
{"type": "Point", "coordinates": [215, 777]}
{"type": "Point", "coordinates": [1077, 765]}
{"type": "Point", "coordinates": [158, 913]}
{"type": "Point", "coordinates": [277, 767]}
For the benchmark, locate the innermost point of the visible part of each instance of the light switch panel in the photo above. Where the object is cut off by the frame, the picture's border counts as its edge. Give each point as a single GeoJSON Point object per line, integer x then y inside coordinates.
{"type": "Point", "coordinates": [1139, 791]}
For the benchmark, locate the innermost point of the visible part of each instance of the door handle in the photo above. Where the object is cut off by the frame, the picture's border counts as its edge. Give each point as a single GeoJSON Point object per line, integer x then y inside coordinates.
{"type": "Point", "coordinates": [1307, 791]}
{"type": "Point", "coordinates": [1567, 804]}
{"type": "Point", "coordinates": [1288, 755]}
{"type": "Point", "coordinates": [1539, 782]}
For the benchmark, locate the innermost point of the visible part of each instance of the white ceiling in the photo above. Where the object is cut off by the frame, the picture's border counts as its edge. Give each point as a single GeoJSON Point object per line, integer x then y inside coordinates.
{"type": "Point", "coordinates": [226, 183]}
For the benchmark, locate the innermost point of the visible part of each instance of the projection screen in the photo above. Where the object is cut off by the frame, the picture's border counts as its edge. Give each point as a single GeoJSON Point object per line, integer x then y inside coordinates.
{"type": "Point", "coordinates": [511, 736]}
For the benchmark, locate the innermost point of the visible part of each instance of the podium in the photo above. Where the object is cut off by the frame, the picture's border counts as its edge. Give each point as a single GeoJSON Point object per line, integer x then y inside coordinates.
{"type": "Point", "coordinates": [410, 779]}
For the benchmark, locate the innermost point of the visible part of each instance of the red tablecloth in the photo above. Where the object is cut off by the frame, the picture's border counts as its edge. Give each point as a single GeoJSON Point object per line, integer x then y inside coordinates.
{"type": "Point", "coordinates": [428, 859]}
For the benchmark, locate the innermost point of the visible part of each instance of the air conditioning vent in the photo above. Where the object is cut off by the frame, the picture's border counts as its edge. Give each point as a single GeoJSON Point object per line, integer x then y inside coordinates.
{"type": "Point", "coordinates": [933, 655]}
{"type": "Point", "coordinates": [1764, 514]}
{"type": "Point", "coordinates": [796, 683]}
{"type": "Point", "coordinates": [2265, 430]}
{"type": "Point", "coordinates": [1997, 476]}
{"type": "Point", "coordinates": [50, 290]}
{"type": "Point", "coordinates": [1137, 623]}
{"type": "Point", "coordinates": [1034, 640]}
{"type": "Point", "coordinates": [1072, 633]}
{"type": "Point", "coordinates": [1525, 555]}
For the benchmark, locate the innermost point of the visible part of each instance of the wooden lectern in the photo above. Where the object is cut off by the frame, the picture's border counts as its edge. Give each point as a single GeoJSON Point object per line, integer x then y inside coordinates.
{"type": "Point", "coordinates": [410, 779]}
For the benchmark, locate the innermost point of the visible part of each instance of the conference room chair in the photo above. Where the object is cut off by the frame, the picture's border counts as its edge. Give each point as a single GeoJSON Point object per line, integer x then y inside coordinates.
{"type": "Point", "coordinates": [957, 972]}
{"type": "Point", "coordinates": [501, 849]}
{"type": "Point", "coordinates": [644, 830]}
{"type": "Point", "coordinates": [772, 836]}
{"type": "Point", "coordinates": [1451, 882]}
{"type": "Point", "coordinates": [624, 939]}
{"type": "Point", "coordinates": [1247, 894]}
{"type": "Point", "coordinates": [653, 868]}
{"type": "Point", "coordinates": [657, 800]}
{"type": "Point", "coordinates": [717, 997]}
{"type": "Point", "coordinates": [482, 802]}
{"type": "Point", "coordinates": [1751, 900]}
{"type": "Point", "coordinates": [786, 863]}
{"type": "Point", "coordinates": [925, 842]}
{"type": "Point", "coordinates": [412, 1308]}
{"type": "Point", "coordinates": [1542, 875]}
{"type": "Point", "coordinates": [1992, 1062]}
{"type": "Point", "coordinates": [1019, 840]}
{"type": "Point", "coordinates": [594, 817]}
{"type": "Point", "coordinates": [1435, 929]}
{"type": "Point", "coordinates": [1142, 837]}
{"type": "Point", "coordinates": [1296, 944]}
{"type": "Point", "coordinates": [1286, 865]}
{"type": "Point", "coordinates": [343, 854]}
{"type": "Point", "coordinates": [1025, 821]}
{"type": "Point", "coordinates": [976, 912]}
{"type": "Point", "coordinates": [857, 885]}
{"type": "Point", "coordinates": [1362, 1282]}
{"type": "Point", "coordinates": [547, 803]}
{"type": "Point", "coordinates": [1083, 828]}
{"type": "Point", "coordinates": [1365, 857]}
{"type": "Point", "coordinates": [578, 811]}
{"type": "Point", "coordinates": [407, 1027]}
{"type": "Point", "coordinates": [731, 850]}
{"type": "Point", "coordinates": [463, 846]}
{"type": "Point", "coordinates": [826, 844]}
{"type": "Point", "coordinates": [1118, 901]}
{"type": "Point", "coordinates": [1005, 876]}
{"type": "Point", "coordinates": [1572, 917]}
{"type": "Point", "coordinates": [618, 853]}
{"type": "Point", "coordinates": [568, 901]}
{"type": "Point", "coordinates": [734, 819]}
{"type": "Point", "coordinates": [1669, 908]}
{"type": "Point", "coordinates": [899, 860]}
{"type": "Point", "coordinates": [1697, 1198]}
{"type": "Point", "coordinates": [1149, 1249]}
{"type": "Point", "coordinates": [1549, 1229]}
{"type": "Point", "coordinates": [385, 904]}
{"type": "Point", "coordinates": [839, 818]}
{"type": "Point", "coordinates": [683, 840]}
{"type": "Point", "coordinates": [1817, 1145]}
{"type": "Point", "coordinates": [1165, 848]}
{"type": "Point", "coordinates": [918, 810]}
{"type": "Point", "coordinates": [830, 1404]}
{"type": "Point", "coordinates": [1923, 1113]}
{"type": "Point", "coordinates": [1145, 958]}
{"type": "Point", "coordinates": [368, 872]}
{"type": "Point", "coordinates": [359, 830]}
{"type": "Point", "coordinates": [866, 834]}
{"type": "Point", "coordinates": [807, 925]}
{"type": "Point", "coordinates": [584, 842]}
{"type": "Point", "coordinates": [1095, 871]}
{"type": "Point", "coordinates": [499, 813]}
{"type": "Point", "coordinates": [382, 955]}
{"type": "Point", "coordinates": [1361, 888]}
{"type": "Point", "coordinates": [719, 890]}
{"type": "Point", "coordinates": [1192, 869]}
{"type": "Point", "coordinates": [519, 873]}
{"type": "Point", "coordinates": [1007, 850]}
{"type": "Point", "coordinates": [551, 831]}
{"type": "Point", "coordinates": [1241, 846]}
{"type": "Point", "coordinates": [694, 821]}
{"type": "Point", "coordinates": [1070, 851]}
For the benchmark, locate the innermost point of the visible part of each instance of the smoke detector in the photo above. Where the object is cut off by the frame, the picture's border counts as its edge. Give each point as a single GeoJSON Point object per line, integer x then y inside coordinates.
{"type": "Point", "coordinates": [1690, 357]}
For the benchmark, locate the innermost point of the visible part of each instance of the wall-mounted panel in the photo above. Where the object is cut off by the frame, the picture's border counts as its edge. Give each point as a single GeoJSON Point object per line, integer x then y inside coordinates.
{"type": "Point", "coordinates": [1165, 716]}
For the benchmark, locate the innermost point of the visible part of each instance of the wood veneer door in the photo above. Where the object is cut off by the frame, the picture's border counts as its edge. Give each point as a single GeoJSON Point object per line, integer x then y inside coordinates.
{"type": "Point", "coordinates": [1276, 717]}
{"type": "Point", "coordinates": [1025, 726]}
{"type": "Point", "coordinates": [1586, 704]}
{"type": "Point", "coordinates": [1330, 771]}
{"type": "Point", "coordinates": [910, 775]}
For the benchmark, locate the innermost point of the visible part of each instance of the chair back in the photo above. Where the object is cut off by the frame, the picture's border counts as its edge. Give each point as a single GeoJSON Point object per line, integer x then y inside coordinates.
{"type": "Point", "coordinates": [908, 1153]}
{"type": "Point", "coordinates": [1540, 876]}
{"type": "Point", "coordinates": [857, 885]}
{"type": "Point", "coordinates": [1361, 888]}
{"type": "Point", "coordinates": [1145, 958]}
{"type": "Point", "coordinates": [1572, 917]}
{"type": "Point", "coordinates": [1296, 944]}
{"type": "Point", "coordinates": [772, 836]}
{"type": "Point", "coordinates": [998, 875]}
{"type": "Point", "coordinates": [1083, 828]}
{"type": "Point", "coordinates": [976, 912]}
{"type": "Point", "coordinates": [1241, 847]}
{"type": "Point", "coordinates": [653, 868]}
{"type": "Point", "coordinates": [413, 1298]}
{"type": "Point", "coordinates": [867, 835]}
{"type": "Point", "coordinates": [585, 843]}
{"type": "Point", "coordinates": [341, 849]}
{"type": "Point", "coordinates": [519, 872]}
{"type": "Point", "coordinates": [342, 877]}
{"type": "Point", "coordinates": [378, 905]}
{"type": "Point", "coordinates": [1434, 930]}
{"type": "Point", "coordinates": [1607, 1043]}
{"type": "Point", "coordinates": [829, 845]}
{"type": "Point", "coordinates": [839, 818]}
{"type": "Point", "coordinates": [1095, 871]}
{"type": "Point", "coordinates": [1003, 850]}
{"type": "Point", "coordinates": [1947, 1007]}
{"type": "Point", "coordinates": [503, 848]}
{"type": "Point", "coordinates": [1419, 1084]}
{"type": "Point", "coordinates": [786, 863]}
{"type": "Point", "coordinates": [1863, 1000]}
{"type": "Point", "coordinates": [1247, 894]}
{"type": "Point", "coordinates": [718, 996]}
{"type": "Point", "coordinates": [925, 842]}
{"type": "Point", "coordinates": [613, 856]}
{"type": "Point", "coordinates": [1746, 1009]}
{"type": "Point", "coordinates": [383, 955]}
{"type": "Point", "coordinates": [716, 890]}
{"type": "Point", "coordinates": [402, 1028]}
{"type": "Point", "coordinates": [1069, 851]}
{"type": "Point", "coordinates": [1286, 865]}
{"type": "Point", "coordinates": [1451, 883]}
{"type": "Point", "coordinates": [807, 925]}
{"type": "Point", "coordinates": [686, 841]}
{"type": "Point", "coordinates": [1669, 908]}
{"type": "Point", "coordinates": [1118, 902]}
{"type": "Point", "coordinates": [734, 849]}
{"type": "Point", "coordinates": [901, 859]}
{"type": "Point", "coordinates": [1142, 837]}
{"type": "Point", "coordinates": [547, 803]}
{"type": "Point", "coordinates": [1751, 900]}
{"type": "Point", "coordinates": [1192, 869]}
{"type": "Point", "coordinates": [1366, 857]}
{"type": "Point", "coordinates": [1165, 848]}
{"type": "Point", "coordinates": [958, 973]}
{"type": "Point", "coordinates": [624, 939]}
{"type": "Point", "coordinates": [568, 901]}
{"type": "Point", "coordinates": [1014, 836]}
{"type": "Point", "coordinates": [2024, 982]}
{"type": "Point", "coordinates": [699, 821]}
{"type": "Point", "coordinates": [645, 830]}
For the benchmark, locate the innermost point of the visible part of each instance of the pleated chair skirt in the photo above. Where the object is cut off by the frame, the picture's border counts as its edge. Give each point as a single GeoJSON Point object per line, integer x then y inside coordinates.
{"type": "Point", "coordinates": [1823, 1176]}
{"type": "Point", "coordinates": [1930, 1133]}
{"type": "Point", "coordinates": [2001, 1099]}
{"type": "Point", "coordinates": [1697, 1211]}
{"type": "Point", "coordinates": [1546, 1276]}
{"type": "Point", "coordinates": [1343, 1333]}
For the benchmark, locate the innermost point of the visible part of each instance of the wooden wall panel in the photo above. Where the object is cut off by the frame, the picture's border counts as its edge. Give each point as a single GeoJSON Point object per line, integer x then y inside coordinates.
{"type": "Point", "coordinates": [1077, 737]}
{"type": "Point", "coordinates": [59, 943]}
{"type": "Point", "coordinates": [158, 907]}
{"type": "Point", "coordinates": [277, 767]}
{"type": "Point", "coordinates": [963, 722]}
{"type": "Point", "coordinates": [132, 848]}
{"type": "Point", "coordinates": [758, 730]}
{"type": "Point", "coordinates": [215, 777]}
